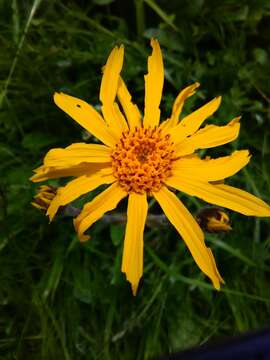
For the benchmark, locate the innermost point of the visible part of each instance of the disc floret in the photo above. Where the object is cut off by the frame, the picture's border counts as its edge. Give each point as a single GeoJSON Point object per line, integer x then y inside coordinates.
{"type": "Point", "coordinates": [142, 160]}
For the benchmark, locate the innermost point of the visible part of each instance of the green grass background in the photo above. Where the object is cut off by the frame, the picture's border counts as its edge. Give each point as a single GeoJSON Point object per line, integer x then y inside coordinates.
{"type": "Point", "coordinates": [60, 299]}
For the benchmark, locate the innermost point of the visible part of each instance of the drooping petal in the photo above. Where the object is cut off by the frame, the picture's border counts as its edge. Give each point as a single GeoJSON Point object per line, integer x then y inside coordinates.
{"type": "Point", "coordinates": [131, 110]}
{"type": "Point", "coordinates": [221, 195]}
{"type": "Point", "coordinates": [209, 136]}
{"type": "Point", "coordinates": [178, 105]}
{"type": "Point", "coordinates": [43, 173]}
{"type": "Point", "coordinates": [76, 188]}
{"type": "Point", "coordinates": [78, 153]}
{"type": "Point", "coordinates": [153, 86]}
{"type": "Point", "coordinates": [191, 123]}
{"type": "Point", "coordinates": [95, 209]}
{"type": "Point", "coordinates": [86, 116]}
{"type": "Point", "coordinates": [132, 261]}
{"type": "Point", "coordinates": [190, 231]}
{"type": "Point", "coordinates": [212, 169]}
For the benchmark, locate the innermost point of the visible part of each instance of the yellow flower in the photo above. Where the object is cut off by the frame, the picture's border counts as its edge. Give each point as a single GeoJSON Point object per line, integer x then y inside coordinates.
{"type": "Point", "coordinates": [44, 197]}
{"type": "Point", "coordinates": [141, 157]}
{"type": "Point", "coordinates": [213, 219]}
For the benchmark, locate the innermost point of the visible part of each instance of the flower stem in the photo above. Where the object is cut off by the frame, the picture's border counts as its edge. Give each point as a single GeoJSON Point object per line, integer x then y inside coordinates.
{"type": "Point", "coordinates": [140, 18]}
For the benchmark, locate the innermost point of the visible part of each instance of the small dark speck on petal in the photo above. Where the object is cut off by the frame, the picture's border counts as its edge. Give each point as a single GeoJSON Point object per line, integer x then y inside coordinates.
{"type": "Point", "coordinates": [78, 105]}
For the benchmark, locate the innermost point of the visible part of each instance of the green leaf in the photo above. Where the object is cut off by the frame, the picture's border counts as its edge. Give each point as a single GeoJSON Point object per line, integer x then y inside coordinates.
{"type": "Point", "coordinates": [103, 2]}
{"type": "Point", "coordinates": [54, 277]}
{"type": "Point", "coordinates": [36, 140]}
{"type": "Point", "coordinates": [260, 56]}
{"type": "Point", "coordinates": [117, 233]}
{"type": "Point", "coordinates": [165, 37]}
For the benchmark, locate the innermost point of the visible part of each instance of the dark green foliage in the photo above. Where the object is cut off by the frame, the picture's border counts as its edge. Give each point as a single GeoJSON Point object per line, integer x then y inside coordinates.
{"type": "Point", "coordinates": [63, 300]}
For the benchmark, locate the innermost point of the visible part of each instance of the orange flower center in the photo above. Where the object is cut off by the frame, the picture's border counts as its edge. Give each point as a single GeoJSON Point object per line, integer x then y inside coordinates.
{"type": "Point", "coordinates": [142, 160]}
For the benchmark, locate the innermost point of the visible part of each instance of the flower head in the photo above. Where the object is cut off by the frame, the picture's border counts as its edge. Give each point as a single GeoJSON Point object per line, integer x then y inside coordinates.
{"type": "Point", "coordinates": [141, 156]}
{"type": "Point", "coordinates": [44, 197]}
{"type": "Point", "coordinates": [213, 219]}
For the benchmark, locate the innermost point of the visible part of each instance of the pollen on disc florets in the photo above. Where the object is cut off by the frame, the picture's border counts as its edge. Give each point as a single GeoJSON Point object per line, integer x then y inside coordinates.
{"type": "Point", "coordinates": [142, 159]}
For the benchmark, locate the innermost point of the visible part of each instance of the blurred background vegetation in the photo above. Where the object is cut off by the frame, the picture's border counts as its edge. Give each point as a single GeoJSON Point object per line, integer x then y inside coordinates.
{"type": "Point", "coordinates": [60, 299]}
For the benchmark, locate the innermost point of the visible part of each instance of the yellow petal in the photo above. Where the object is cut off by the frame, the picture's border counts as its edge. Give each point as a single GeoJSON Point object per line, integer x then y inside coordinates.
{"type": "Point", "coordinates": [191, 123]}
{"type": "Point", "coordinates": [95, 209]}
{"type": "Point", "coordinates": [209, 136]}
{"type": "Point", "coordinates": [131, 110]}
{"type": "Point", "coordinates": [43, 173]}
{"type": "Point", "coordinates": [213, 169]}
{"type": "Point", "coordinates": [86, 116]}
{"type": "Point", "coordinates": [78, 153]}
{"type": "Point", "coordinates": [132, 261]}
{"type": "Point", "coordinates": [222, 195]}
{"type": "Point", "coordinates": [190, 231]}
{"type": "Point", "coordinates": [111, 72]}
{"type": "Point", "coordinates": [76, 188]}
{"type": "Point", "coordinates": [178, 105]}
{"type": "Point", "coordinates": [153, 86]}
{"type": "Point", "coordinates": [115, 119]}
{"type": "Point", "coordinates": [108, 89]}
{"type": "Point", "coordinates": [215, 266]}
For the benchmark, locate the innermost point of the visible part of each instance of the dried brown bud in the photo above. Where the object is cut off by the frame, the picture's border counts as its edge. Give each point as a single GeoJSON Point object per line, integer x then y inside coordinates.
{"type": "Point", "coordinates": [213, 219]}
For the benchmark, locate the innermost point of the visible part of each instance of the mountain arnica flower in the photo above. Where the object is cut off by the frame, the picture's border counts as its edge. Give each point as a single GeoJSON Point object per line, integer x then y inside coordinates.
{"type": "Point", "coordinates": [142, 157]}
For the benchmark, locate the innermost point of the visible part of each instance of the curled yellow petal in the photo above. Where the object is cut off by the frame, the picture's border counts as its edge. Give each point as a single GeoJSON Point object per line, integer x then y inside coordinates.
{"type": "Point", "coordinates": [211, 169]}
{"type": "Point", "coordinates": [178, 105]}
{"type": "Point", "coordinates": [86, 116]}
{"type": "Point", "coordinates": [191, 233]}
{"type": "Point", "coordinates": [76, 188]}
{"type": "Point", "coordinates": [221, 195]}
{"type": "Point", "coordinates": [95, 209]}
{"type": "Point", "coordinates": [153, 86]}
{"type": "Point", "coordinates": [191, 123]}
{"type": "Point", "coordinates": [132, 261]}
